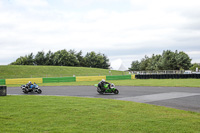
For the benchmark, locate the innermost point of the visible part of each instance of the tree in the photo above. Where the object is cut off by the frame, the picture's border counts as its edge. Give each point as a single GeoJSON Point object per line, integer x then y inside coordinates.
{"type": "Point", "coordinates": [40, 58]}
{"type": "Point", "coordinates": [167, 61]}
{"type": "Point", "coordinates": [183, 61]}
{"type": "Point", "coordinates": [60, 58]}
{"type": "Point", "coordinates": [65, 58]}
{"type": "Point", "coordinates": [91, 60]}
{"type": "Point", "coordinates": [72, 59]}
{"type": "Point", "coordinates": [194, 66]}
{"type": "Point", "coordinates": [20, 61]}
{"type": "Point", "coordinates": [81, 59]}
{"type": "Point", "coordinates": [24, 60]}
{"type": "Point", "coordinates": [144, 63]}
{"type": "Point", "coordinates": [135, 66]}
{"type": "Point", "coordinates": [105, 63]}
{"type": "Point", "coordinates": [96, 60]}
{"type": "Point", "coordinates": [49, 58]}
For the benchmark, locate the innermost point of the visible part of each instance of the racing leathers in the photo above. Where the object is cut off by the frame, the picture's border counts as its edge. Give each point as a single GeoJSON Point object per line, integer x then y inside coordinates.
{"type": "Point", "coordinates": [101, 85]}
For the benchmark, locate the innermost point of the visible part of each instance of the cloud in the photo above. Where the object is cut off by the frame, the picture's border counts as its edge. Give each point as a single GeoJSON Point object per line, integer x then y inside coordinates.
{"type": "Point", "coordinates": [146, 27]}
{"type": "Point", "coordinates": [169, 5]}
{"type": "Point", "coordinates": [31, 3]}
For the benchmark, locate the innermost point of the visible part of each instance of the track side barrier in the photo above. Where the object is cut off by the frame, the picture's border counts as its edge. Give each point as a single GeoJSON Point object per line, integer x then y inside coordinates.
{"type": "Point", "coordinates": [64, 79]}
{"type": "Point", "coordinates": [90, 78]}
{"type": "Point", "coordinates": [132, 76]}
{"type": "Point", "coordinates": [118, 77]}
{"type": "Point", "coordinates": [167, 76]}
{"type": "Point", "coordinates": [59, 79]}
{"type": "Point", "coordinates": [2, 82]}
{"type": "Point", "coordinates": [23, 81]}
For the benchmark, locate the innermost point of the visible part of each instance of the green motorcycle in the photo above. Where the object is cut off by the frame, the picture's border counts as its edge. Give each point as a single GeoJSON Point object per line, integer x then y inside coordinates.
{"type": "Point", "coordinates": [106, 89]}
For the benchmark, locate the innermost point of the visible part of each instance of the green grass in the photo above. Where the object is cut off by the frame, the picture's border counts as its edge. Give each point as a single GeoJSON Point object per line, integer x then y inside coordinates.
{"type": "Point", "coordinates": [15, 71]}
{"type": "Point", "coordinates": [135, 82]}
{"type": "Point", "coordinates": [75, 114]}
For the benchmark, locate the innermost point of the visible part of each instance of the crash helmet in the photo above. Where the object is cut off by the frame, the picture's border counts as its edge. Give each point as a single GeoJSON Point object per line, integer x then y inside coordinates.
{"type": "Point", "coordinates": [29, 82]}
{"type": "Point", "coordinates": [112, 85]}
{"type": "Point", "coordinates": [103, 80]}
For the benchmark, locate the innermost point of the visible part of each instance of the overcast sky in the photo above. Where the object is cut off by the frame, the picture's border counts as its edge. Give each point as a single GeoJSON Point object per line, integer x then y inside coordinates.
{"type": "Point", "coordinates": [126, 29]}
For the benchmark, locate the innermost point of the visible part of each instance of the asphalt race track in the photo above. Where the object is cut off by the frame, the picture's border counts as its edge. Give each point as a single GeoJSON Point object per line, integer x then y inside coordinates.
{"type": "Point", "coordinates": [184, 98]}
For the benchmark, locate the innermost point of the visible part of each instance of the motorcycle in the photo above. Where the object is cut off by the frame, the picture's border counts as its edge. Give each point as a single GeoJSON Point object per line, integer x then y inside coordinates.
{"type": "Point", "coordinates": [106, 89]}
{"type": "Point", "coordinates": [32, 88]}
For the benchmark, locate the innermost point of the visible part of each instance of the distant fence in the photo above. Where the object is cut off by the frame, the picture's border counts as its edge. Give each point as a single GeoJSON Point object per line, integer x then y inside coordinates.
{"type": "Point", "coordinates": [167, 76]}
{"type": "Point", "coordinates": [160, 72]}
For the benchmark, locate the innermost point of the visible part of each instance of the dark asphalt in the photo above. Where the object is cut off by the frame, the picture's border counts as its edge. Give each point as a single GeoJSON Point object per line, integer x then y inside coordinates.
{"type": "Point", "coordinates": [184, 98]}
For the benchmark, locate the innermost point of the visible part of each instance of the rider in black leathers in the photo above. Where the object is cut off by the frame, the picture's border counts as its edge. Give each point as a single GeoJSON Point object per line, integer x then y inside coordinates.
{"type": "Point", "coordinates": [102, 83]}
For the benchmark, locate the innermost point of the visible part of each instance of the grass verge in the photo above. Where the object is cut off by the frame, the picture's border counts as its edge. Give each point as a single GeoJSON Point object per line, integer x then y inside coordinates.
{"type": "Point", "coordinates": [136, 82]}
{"type": "Point", "coordinates": [23, 71]}
{"type": "Point", "coordinates": [75, 114]}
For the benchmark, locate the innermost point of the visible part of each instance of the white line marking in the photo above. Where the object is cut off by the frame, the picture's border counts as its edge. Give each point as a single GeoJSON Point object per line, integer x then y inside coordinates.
{"type": "Point", "coordinates": [158, 97]}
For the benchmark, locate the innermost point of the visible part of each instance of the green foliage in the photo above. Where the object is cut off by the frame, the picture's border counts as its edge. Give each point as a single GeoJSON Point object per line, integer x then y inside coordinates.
{"type": "Point", "coordinates": [96, 60]}
{"type": "Point", "coordinates": [49, 114]}
{"type": "Point", "coordinates": [26, 60]}
{"type": "Point", "coordinates": [65, 58]}
{"type": "Point", "coordinates": [167, 61]}
{"type": "Point", "coordinates": [40, 58]}
{"type": "Point", "coordinates": [135, 66]}
{"type": "Point", "coordinates": [194, 66]}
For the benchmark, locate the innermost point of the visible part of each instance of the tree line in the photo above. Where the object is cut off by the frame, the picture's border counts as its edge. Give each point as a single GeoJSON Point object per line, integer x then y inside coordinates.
{"type": "Point", "coordinates": [168, 60]}
{"type": "Point", "coordinates": [64, 58]}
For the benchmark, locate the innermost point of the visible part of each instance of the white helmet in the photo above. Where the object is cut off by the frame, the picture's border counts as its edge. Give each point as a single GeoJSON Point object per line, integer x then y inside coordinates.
{"type": "Point", "coordinates": [112, 86]}
{"type": "Point", "coordinates": [103, 80]}
{"type": "Point", "coordinates": [29, 82]}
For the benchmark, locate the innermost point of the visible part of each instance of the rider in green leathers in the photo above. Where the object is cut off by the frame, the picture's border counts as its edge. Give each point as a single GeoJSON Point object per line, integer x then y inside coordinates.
{"type": "Point", "coordinates": [102, 83]}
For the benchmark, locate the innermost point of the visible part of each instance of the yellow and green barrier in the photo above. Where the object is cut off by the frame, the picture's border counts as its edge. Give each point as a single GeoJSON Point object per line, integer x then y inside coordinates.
{"type": "Point", "coordinates": [118, 77]}
{"type": "Point", "coordinates": [23, 81]}
{"type": "Point", "coordinates": [60, 79]}
{"type": "Point", "coordinates": [90, 78]}
{"type": "Point", "coordinates": [64, 79]}
{"type": "Point", "coordinates": [133, 76]}
{"type": "Point", "coordinates": [2, 82]}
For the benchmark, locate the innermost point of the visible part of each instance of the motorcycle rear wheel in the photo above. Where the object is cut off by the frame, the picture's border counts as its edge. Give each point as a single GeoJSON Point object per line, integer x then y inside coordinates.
{"type": "Point", "coordinates": [25, 91]}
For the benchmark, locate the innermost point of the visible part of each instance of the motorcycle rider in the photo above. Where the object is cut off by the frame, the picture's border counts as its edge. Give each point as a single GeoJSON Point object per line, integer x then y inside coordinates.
{"type": "Point", "coordinates": [29, 84]}
{"type": "Point", "coordinates": [102, 83]}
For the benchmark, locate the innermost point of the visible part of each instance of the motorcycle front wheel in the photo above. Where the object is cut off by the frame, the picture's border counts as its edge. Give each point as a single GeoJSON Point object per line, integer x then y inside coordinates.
{"type": "Point", "coordinates": [116, 91]}
{"type": "Point", "coordinates": [39, 91]}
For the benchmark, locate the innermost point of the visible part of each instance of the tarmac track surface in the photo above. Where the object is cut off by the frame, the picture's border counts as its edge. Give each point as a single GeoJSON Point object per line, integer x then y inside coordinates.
{"type": "Point", "coordinates": [184, 98]}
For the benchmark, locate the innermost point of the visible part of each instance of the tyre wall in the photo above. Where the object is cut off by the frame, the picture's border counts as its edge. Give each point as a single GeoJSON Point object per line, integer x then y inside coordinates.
{"type": "Point", "coordinates": [3, 90]}
{"type": "Point", "coordinates": [167, 76]}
